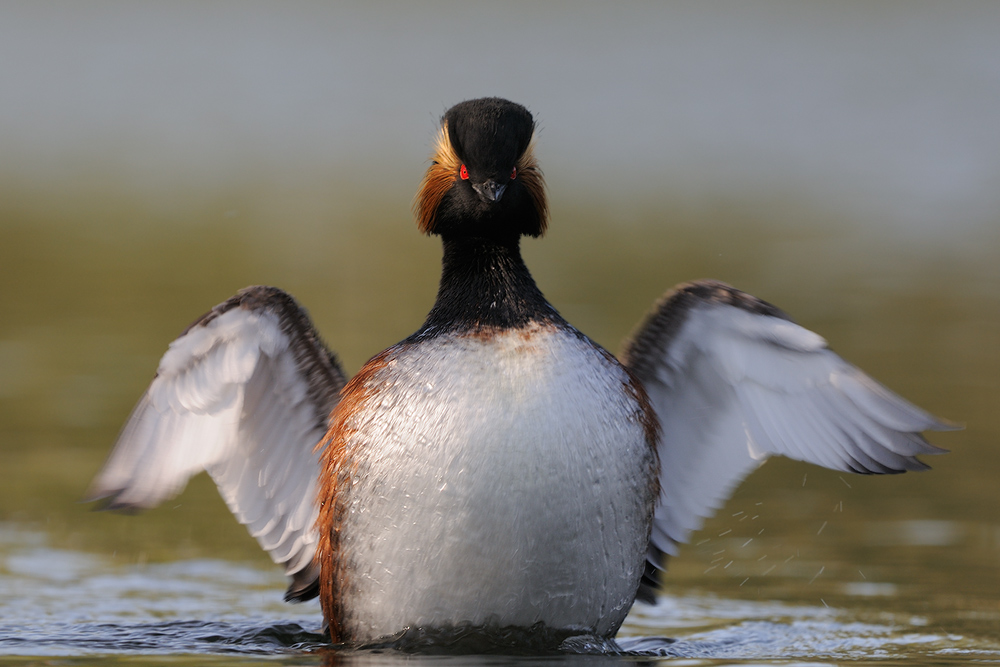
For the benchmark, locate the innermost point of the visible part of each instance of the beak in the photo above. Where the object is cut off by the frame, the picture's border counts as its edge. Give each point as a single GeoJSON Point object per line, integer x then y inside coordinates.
{"type": "Point", "coordinates": [490, 191]}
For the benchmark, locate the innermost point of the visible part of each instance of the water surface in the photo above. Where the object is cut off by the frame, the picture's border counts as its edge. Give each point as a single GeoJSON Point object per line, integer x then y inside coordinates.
{"type": "Point", "coordinates": [801, 563]}
{"type": "Point", "coordinates": [836, 159]}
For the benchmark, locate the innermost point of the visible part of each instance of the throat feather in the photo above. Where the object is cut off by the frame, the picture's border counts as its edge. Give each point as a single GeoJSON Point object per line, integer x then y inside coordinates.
{"type": "Point", "coordinates": [485, 285]}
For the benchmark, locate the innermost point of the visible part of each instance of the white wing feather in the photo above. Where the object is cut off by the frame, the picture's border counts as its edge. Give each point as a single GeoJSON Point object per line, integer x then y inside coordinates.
{"type": "Point", "coordinates": [232, 397]}
{"type": "Point", "coordinates": [733, 382]}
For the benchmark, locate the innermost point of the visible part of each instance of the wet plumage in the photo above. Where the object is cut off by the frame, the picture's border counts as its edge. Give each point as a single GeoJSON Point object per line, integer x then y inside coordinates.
{"type": "Point", "coordinates": [497, 468]}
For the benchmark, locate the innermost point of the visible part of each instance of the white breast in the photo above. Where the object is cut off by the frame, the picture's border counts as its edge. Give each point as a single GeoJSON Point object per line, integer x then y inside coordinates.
{"type": "Point", "coordinates": [500, 481]}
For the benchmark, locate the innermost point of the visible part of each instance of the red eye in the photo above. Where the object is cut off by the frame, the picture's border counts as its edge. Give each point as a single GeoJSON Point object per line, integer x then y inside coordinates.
{"type": "Point", "coordinates": [513, 173]}
{"type": "Point", "coordinates": [464, 173]}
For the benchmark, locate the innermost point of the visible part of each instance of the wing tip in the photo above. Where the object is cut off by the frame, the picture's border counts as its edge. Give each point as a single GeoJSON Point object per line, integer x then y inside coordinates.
{"type": "Point", "coordinates": [116, 497]}
{"type": "Point", "coordinates": [649, 583]}
{"type": "Point", "coordinates": [109, 501]}
{"type": "Point", "coordinates": [942, 424]}
{"type": "Point", "coordinates": [304, 584]}
{"type": "Point", "coordinates": [925, 448]}
{"type": "Point", "coordinates": [916, 465]}
{"type": "Point", "coordinates": [100, 493]}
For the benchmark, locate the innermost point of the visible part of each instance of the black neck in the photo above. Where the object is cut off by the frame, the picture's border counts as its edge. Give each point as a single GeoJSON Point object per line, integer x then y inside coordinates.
{"type": "Point", "coordinates": [485, 284]}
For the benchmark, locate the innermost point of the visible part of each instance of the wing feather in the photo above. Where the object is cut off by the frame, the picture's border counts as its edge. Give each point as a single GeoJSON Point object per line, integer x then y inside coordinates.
{"type": "Point", "coordinates": [244, 393]}
{"type": "Point", "coordinates": [733, 381]}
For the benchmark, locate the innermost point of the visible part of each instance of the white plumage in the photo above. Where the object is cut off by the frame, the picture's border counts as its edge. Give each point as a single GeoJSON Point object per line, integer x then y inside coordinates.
{"type": "Point", "coordinates": [230, 398]}
{"type": "Point", "coordinates": [733, 385]}
{"type": "Point", "coordinates": [483, 452]}
{"type": "Point", "coordinates": [496, 481]}
{"type": "Point", "coordinates": [497, 469]}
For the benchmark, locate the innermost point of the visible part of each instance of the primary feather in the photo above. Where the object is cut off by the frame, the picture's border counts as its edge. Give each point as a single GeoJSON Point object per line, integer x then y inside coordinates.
{"type": "Point", "coordinates": [244, 394]}
{"type": "Point", "coordinates": [733, 381]}
{"type": "Point", "coordinates": [496, 468]}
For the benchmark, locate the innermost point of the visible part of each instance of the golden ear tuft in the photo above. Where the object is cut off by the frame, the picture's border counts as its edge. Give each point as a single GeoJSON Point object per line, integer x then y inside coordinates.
{"type": "Point", "coordinates": [440, 177]}
{"type": "Point", "coordinates": [531, 175]}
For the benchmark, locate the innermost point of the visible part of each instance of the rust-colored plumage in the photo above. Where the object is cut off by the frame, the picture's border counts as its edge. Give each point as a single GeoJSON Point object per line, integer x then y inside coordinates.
{"type": "Point", "coordinates": [496, 473]}
{"type": "Point", "coordinates": [443, 173]}
{"type": "Point", "coordinates": [650, 424]}
{"type": "Point", "coordinates": [440, 177]}
{"type": "Point", "coordinates": [337, 471]}
{"type": "Point", "coordinates": [531, 174]}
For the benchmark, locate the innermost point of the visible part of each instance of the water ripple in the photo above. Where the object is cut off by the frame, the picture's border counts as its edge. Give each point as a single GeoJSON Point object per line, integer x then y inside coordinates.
{"type": "Point", "coordinates": [63, 603]}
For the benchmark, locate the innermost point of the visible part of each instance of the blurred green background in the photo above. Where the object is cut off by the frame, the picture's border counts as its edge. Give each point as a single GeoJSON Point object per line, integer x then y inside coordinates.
{"type": "Point", "coordinates": [838, 159]}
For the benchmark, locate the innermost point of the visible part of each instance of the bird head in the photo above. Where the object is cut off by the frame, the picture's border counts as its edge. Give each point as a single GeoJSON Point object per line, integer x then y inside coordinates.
{"type": "Point", "coordinates": [483, 179]}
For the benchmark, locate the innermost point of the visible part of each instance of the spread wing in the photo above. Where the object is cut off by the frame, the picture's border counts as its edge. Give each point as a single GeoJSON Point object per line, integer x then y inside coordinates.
{"type": "Point", "coordinates": [244, 393]}
{"type": "Point", "coordinates": [733, 381]}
